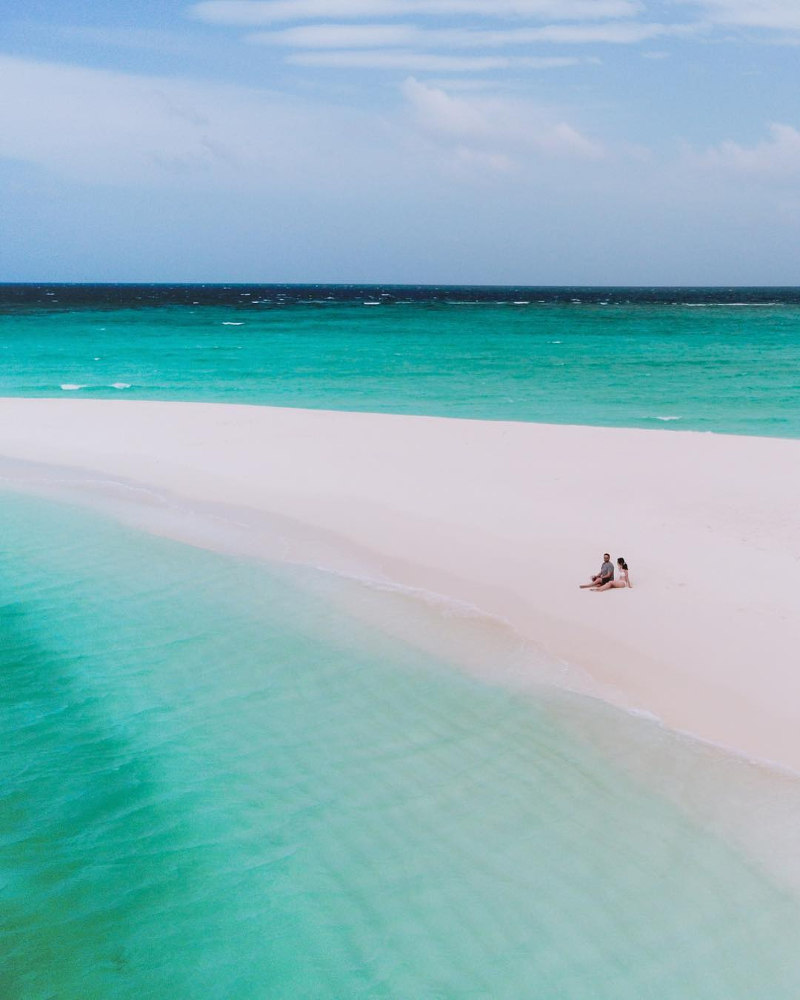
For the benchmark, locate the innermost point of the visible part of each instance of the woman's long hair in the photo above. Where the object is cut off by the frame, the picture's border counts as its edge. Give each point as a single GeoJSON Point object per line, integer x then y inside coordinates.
{"type": "Point", "coordinates": [622, 563]}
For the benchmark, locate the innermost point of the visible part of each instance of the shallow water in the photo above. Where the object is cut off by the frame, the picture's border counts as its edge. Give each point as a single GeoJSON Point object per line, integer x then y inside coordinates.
{"type": "Point", "coordinates": [216, 784]}
{"type": "Point", "coordinates": [226, 779]}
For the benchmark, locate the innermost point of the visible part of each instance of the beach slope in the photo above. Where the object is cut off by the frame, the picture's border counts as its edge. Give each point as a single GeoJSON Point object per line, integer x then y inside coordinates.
{"type": "Point", "coordinates": [507, 517]}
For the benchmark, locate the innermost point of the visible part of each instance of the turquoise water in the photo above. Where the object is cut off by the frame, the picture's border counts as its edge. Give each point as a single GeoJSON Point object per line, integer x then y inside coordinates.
{"type": "Point", "coordinates": [683, 365]}
{"type": "Point", "coordinates": [214, 785]}
{"type": "Point", "coordinates": [220, 781]}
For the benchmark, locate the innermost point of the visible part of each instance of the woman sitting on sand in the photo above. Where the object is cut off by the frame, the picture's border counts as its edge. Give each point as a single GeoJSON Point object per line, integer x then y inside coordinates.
{"type": "Point", "coordinates": [622, 581]}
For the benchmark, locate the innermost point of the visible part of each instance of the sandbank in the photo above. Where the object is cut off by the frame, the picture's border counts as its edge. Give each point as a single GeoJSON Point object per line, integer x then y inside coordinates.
{"type": "Point", "coordinates": [506, 517]}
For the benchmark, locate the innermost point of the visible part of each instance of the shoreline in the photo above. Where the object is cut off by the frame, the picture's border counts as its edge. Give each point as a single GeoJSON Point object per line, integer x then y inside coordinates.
{"type": "Point", "coordinates": [506, 517]}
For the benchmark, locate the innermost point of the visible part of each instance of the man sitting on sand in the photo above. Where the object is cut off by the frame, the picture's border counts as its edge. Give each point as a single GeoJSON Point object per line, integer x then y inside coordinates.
{"type": "Point", "coordinates": [606, 574]}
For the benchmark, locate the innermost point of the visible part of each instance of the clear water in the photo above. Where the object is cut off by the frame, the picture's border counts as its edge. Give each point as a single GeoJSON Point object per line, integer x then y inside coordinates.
{"type": "Point", "coordinates": [216, 782]}
{"type": "Point", "coordinates": [214, 785]}
{"type": "Point", "coordinates": [693, 359]}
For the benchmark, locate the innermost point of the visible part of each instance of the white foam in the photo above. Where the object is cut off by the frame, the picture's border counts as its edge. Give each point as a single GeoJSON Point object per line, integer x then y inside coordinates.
{"type": "Point", "coordinates": [230, 322]}
{"type": "Point", "coordinates": [70, 387]}
{"type": "Point", "coordinates": [643, 713]}
{"type": "Point", "coordinates": [667, 418]}
{"type": "Point", "coordinates": [120, 385]}
{"type": "Point", "coordinates": [727, 305]}
{"type": "Point", "coordinates": [452, 607]}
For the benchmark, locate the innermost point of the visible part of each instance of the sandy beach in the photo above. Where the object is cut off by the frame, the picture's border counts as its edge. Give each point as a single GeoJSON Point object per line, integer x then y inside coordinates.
{"type": "Point", "coordinates": [507, 517]}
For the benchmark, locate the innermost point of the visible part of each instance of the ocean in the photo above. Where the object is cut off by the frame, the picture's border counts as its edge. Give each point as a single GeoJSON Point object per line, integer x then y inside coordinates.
{"type": "Point", "coordinates": [723, 360]}
{"type": "Point", "coordinates": [227, 779]}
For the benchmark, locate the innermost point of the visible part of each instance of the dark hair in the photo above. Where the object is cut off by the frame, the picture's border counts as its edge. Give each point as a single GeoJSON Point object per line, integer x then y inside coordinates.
{"type": "Point", "coordinates": [622, 562]}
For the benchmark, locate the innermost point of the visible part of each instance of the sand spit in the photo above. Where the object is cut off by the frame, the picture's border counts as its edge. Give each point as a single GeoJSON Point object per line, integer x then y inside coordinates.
{"type": "Point", "coordinates": [508, 518]}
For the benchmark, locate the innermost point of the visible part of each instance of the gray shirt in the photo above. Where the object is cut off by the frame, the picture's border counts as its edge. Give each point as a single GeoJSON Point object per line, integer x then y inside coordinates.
{"type": "Point", "coordinates": [607, 570]}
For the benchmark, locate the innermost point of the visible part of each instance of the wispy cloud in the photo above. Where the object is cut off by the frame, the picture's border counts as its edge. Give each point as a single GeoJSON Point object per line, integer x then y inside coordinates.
{"type": "Point", "coordinates": [497, 132]}
{"type": "Point", "coordinates": [781, 15]}
{"type": "Point", "coordinates": [438, 157]}
{"type": "Point", "coordinates": [342, 36]}
{"type": "Point", "coordinates": [245, 13]}
{"type": "Point", "coordinates": [345, 36]}
{"type": "Point", "coordinates": [116, 128]}
{"type": "Point", "coordinates": [774, 158]}
{"type": "Point", "coordinates": [396, 34]}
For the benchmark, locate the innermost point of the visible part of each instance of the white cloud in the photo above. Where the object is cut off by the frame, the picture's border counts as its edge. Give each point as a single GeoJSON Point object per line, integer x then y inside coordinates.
{"type": "Point", "coordinates": [782, 15]}
{"type": "Point", "coordinates": [346, 36]}
{"type": "Point", "coordinates": [442, 114]}
{"type": "Point", "coordinates": [249, 13]}
{"type": "Point", "coordinates": [402, 40]}
{"type": "Point", "coordinates": [775, 158]}
{"type": "Point", "coordinates": [117, 128]}
{"type": "Point", "coordinates": [341, 36]}
{"type": "Point", "coordinates": [617, 33]}
{"type": "Point", "coordinates": [144, 132]}
{"type": "Point", "coordinates": [492, 130]}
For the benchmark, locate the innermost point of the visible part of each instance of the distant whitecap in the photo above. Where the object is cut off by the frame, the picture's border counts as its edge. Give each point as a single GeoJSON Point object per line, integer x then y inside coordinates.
{"type": "Point", "coordinates": [69, 387]}
{"type": "Point", "coordinates": [667, 418]}
{"type": "Point", "coordinates": [120, 385]}
{"type": "Point", "coordinates": [230, 322]}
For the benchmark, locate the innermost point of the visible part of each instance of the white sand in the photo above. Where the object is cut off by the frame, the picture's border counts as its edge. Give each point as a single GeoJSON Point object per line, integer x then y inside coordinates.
{"type": "Point", "coordinates": [510, 518]}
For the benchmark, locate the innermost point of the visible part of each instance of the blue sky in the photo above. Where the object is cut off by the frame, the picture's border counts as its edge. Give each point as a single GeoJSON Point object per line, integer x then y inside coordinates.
{"type": "Point", "coordinates": [474, 141]}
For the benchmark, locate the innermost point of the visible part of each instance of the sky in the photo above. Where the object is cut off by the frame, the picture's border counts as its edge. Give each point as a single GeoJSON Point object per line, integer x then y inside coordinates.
{"type": "Point", "coordinates": [568, 142]}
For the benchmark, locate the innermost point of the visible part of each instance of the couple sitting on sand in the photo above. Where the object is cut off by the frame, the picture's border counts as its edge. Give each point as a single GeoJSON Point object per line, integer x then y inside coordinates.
{"type": "Point", "coordinates": [604, 580]}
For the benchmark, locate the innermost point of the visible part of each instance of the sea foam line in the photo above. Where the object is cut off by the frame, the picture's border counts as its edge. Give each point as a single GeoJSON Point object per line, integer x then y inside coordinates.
{"type": "Point", "coordinates": [74, 386]}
